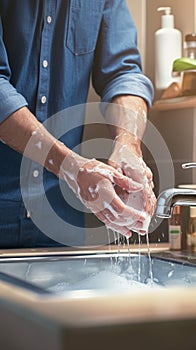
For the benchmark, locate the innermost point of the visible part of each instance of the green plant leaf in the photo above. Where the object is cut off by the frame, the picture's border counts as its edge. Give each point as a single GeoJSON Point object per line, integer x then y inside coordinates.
{"type": "Point", "coordinates": [184, 63]}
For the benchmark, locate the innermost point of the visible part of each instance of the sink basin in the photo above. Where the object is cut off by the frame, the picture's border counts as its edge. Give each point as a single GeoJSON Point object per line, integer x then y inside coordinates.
{"type": "Point", "coordinates": [93, 301]}
{"type": "Point", "coordinates": [97, 272]}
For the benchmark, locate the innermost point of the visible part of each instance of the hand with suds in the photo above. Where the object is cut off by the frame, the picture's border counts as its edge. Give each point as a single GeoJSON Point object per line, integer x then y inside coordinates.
{"type": "Point", "coordinates": [94, 183]}
{"type": "Point", "coordinates": [127, 117]}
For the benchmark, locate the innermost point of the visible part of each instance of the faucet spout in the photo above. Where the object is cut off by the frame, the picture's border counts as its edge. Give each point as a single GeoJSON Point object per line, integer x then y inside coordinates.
{"type": "Point", "coordinates": [175, 196]}
{"type": "Point", "coordinates": [172, 197]}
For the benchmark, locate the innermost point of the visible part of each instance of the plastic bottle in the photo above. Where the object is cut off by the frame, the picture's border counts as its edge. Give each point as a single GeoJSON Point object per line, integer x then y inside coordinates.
{"type": "Point", "coordinates": [189, 77]}
{"type": "Point", "coordinates": [190, 45]}
{"type": "Point", "coordinates": [175, 232]}
{"type": "Point", "coordinates": [168, 47]}
{"type": "Point", "coordinates": [191, 234]}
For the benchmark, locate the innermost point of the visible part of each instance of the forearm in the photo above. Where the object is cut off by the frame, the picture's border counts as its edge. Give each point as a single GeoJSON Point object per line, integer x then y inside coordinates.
{"type": "Point", "coordinates": [129, 116]}
{"type": "Point", "coordinates": [25, 134]}
{"type": "Point", "coordinates": [126, 117]}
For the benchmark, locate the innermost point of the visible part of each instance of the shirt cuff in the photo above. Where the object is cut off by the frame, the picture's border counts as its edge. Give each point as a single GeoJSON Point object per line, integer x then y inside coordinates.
{"type": "Point", "coordinates": [132, 84]}
{"type": "Point", "coordinates": [10, 99]}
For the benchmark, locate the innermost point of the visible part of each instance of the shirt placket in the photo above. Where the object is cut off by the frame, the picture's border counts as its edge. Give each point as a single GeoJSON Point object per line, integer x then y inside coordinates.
{"type": "Point", "coordinates": [44, 63]}
{"type": "Point", "coordinates": [35, 186]}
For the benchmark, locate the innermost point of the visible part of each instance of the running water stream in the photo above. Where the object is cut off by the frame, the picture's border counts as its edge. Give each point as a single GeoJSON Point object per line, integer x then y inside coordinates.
{"type": "Point", "coordinates": [120, 270]}
{"type": "Point", "coordinates": [149, 258]}
{"type": "Point", "coordinates": [118, 241]}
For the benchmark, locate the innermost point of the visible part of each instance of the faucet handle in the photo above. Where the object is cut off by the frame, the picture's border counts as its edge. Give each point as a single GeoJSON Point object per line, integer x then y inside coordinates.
{"type": "Point", "coordinates": [189, 165]}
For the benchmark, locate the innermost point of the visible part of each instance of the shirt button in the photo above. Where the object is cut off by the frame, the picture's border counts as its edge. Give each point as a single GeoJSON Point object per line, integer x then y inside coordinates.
{"type": "Point", "coordinates": [28, 214]}
{"type": "Point", "coordinates": [49, 19]}
{"type": "Point", "coordinates": [45, 63]}
{"type": "Point", "coordinates": [35, 173]}
{"type": "Point", "coordinates": [43, 99]}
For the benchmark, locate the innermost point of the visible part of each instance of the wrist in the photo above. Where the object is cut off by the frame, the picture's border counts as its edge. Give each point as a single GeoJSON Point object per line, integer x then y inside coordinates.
{"type": "Point", "coordinates": [71, 164]}
{"type": "Point", "coordinates": [127, 115]}
{"type": "Point", "coordinates": [56, 156]}
{"type": "Point", "coordinates": [128, 140]}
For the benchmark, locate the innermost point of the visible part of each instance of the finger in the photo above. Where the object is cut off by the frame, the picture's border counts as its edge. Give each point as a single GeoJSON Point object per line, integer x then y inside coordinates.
{"type": "Point", "coordinates": [116, 219]}
{"type": "Point", "coordinates": [115, 166]}
{"type": "Point", "coordinates": [125, 211]}
{"type": "Point", "coordinates": [149, 174]}
{"type": "Point", "coordinates": [126, 183]}
{"type": "Point", "coordinates": [150, 203]}
{"type": "Point", "coordinates": [118, 178]}
{"type": "Point", "coordinates": [137, 226]}
{"type": "Point", "coordinates": [142, 232]}
{"type": "Point", "coordinates": [123, 216]}
{"type": "Point", "coordinates": [108, 215]}
{"type": "Point", "coordinates": [121, 229]}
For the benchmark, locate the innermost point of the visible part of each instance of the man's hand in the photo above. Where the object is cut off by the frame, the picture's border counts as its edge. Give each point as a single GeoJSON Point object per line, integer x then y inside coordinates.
{"type": "Point", "coordinates": [126, 118]}
{"type": "Point", "coordinates": [94, 183]}
{"type": "Point", "coordinates": [125, 158]}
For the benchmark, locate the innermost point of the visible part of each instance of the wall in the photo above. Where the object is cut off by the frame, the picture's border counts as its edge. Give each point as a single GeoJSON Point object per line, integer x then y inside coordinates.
{"type": "Point", "coordinates": [184, 12]}
{"type": "Point", "coordinates": [177, 127]}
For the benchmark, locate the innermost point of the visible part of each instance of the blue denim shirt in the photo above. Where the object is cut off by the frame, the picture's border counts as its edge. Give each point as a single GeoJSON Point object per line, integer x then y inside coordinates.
{"type": "Point", "coordinates": [48, 51]}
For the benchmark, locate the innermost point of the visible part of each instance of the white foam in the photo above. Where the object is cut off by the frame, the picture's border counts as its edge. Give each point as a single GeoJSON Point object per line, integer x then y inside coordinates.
{"type": "Point", "coordinates": [39, 144]}
{"type": "Point", "coordinates": [104, 280]}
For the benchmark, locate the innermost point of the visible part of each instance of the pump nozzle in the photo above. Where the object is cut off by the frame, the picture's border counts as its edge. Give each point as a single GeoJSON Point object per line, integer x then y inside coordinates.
{"type": "Point", "coordinates": [167, 19]}
{"type": "Point", "coordinates": [166, 9]}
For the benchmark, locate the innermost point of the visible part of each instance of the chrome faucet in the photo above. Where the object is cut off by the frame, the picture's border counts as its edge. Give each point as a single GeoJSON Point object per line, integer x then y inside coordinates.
{"type": "Point", "coordinates": [175, 196]}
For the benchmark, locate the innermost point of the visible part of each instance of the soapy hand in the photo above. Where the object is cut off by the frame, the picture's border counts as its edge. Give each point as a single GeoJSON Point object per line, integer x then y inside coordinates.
{"type": "Point", "coordinates": [127, 158]}
{"type": "Point", "coordinates": [126, 118]}
{"type": "Point", "coordinates": [94, 183]}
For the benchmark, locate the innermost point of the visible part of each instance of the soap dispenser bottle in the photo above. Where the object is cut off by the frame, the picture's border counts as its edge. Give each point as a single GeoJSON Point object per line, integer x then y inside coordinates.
{"type": "Point", "coordinates": [168, 47]}
{"type": "Point", "coordinates": [191, 234]}
{"type": "Point", "coordinates": [175, 231]}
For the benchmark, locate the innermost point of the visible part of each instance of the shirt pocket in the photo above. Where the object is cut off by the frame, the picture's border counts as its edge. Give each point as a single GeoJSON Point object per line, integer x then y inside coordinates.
{"type": "Point", "coordinates": [84, 22]}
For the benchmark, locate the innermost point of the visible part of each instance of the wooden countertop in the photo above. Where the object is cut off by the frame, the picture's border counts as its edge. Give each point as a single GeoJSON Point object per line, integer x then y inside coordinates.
{"type": "Point", "coordinates": [174, 103]}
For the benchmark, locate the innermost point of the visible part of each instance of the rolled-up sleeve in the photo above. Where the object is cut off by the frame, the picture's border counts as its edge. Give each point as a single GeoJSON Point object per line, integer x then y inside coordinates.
{"type": "Point", "coordinates": [117, 64]}
{"type": "Point", "coordinates": [10, 99]}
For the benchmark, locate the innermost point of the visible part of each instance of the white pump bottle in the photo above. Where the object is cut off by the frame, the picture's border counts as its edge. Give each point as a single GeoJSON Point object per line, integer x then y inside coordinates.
{"type": "Point", "coordinates": [168, 47]}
